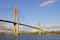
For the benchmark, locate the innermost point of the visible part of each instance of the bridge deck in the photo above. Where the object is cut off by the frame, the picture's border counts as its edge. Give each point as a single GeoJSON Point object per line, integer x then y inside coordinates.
{"type": "Point", "coordinates": [18, 23]}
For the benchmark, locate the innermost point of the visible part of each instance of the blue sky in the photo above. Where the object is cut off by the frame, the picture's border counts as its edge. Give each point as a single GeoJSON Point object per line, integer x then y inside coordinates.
{"type": "Point", "coordinates": [32, 11]}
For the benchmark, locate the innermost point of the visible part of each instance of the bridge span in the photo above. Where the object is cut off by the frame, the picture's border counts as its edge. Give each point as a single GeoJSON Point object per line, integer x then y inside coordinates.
{"type": "Point", "coordinates": [19, 24]}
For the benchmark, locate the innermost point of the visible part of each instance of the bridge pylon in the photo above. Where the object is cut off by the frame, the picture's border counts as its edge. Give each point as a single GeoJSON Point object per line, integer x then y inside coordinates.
{"type": "Point", "coordinates": [39, 31]}
{"type": "Point", "coordinates": [16, 19]}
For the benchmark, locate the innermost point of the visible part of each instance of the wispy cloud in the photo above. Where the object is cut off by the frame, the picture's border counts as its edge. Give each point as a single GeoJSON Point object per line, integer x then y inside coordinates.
{"type": "Point", "coordinates": [48, 2]}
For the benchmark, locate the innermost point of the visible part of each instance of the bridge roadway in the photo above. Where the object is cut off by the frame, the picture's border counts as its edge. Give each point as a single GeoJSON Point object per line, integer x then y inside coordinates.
{"type": "Point", "coordinates": [19, 24]}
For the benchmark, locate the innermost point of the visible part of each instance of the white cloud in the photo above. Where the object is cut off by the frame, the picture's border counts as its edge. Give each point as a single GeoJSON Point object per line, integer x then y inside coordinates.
{"type": "Point", "coordinates": [50, 27]}
{"type": "Point", "coordinates": [48, 2]}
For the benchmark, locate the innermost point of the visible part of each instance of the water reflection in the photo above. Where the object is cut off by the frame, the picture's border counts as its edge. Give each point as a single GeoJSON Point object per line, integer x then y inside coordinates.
{"type": "Point", "coordinates": [16, 38]}
{"type": "Point", "coordinates": [30, 37]}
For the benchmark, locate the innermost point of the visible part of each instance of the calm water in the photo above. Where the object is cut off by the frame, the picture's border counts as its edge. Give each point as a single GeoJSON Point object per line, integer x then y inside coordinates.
{"type": "Point", "coordinates": [30, 37]}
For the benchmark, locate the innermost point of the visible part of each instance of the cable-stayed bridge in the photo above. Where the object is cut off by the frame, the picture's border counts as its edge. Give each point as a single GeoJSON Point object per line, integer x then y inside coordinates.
{"type": "Point", "coordinates": [16, 22]}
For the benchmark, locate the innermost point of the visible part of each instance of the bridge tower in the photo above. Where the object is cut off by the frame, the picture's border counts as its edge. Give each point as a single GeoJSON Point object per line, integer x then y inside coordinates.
{"type": "Point", "coordinates": [39, 31]}
{"type": "Point", "coordinates": [16, 19]}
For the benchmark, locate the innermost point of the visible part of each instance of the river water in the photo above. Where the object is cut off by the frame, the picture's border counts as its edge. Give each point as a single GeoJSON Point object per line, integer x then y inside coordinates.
{"type": "Point", "coordinates": [30, 37]}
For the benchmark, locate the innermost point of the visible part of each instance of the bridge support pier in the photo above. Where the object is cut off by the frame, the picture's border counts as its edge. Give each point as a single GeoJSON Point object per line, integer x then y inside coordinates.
{"type": "Point", "coordinates": [16, 29]}
{"type": "Point", "coordinates": [39, 32]}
